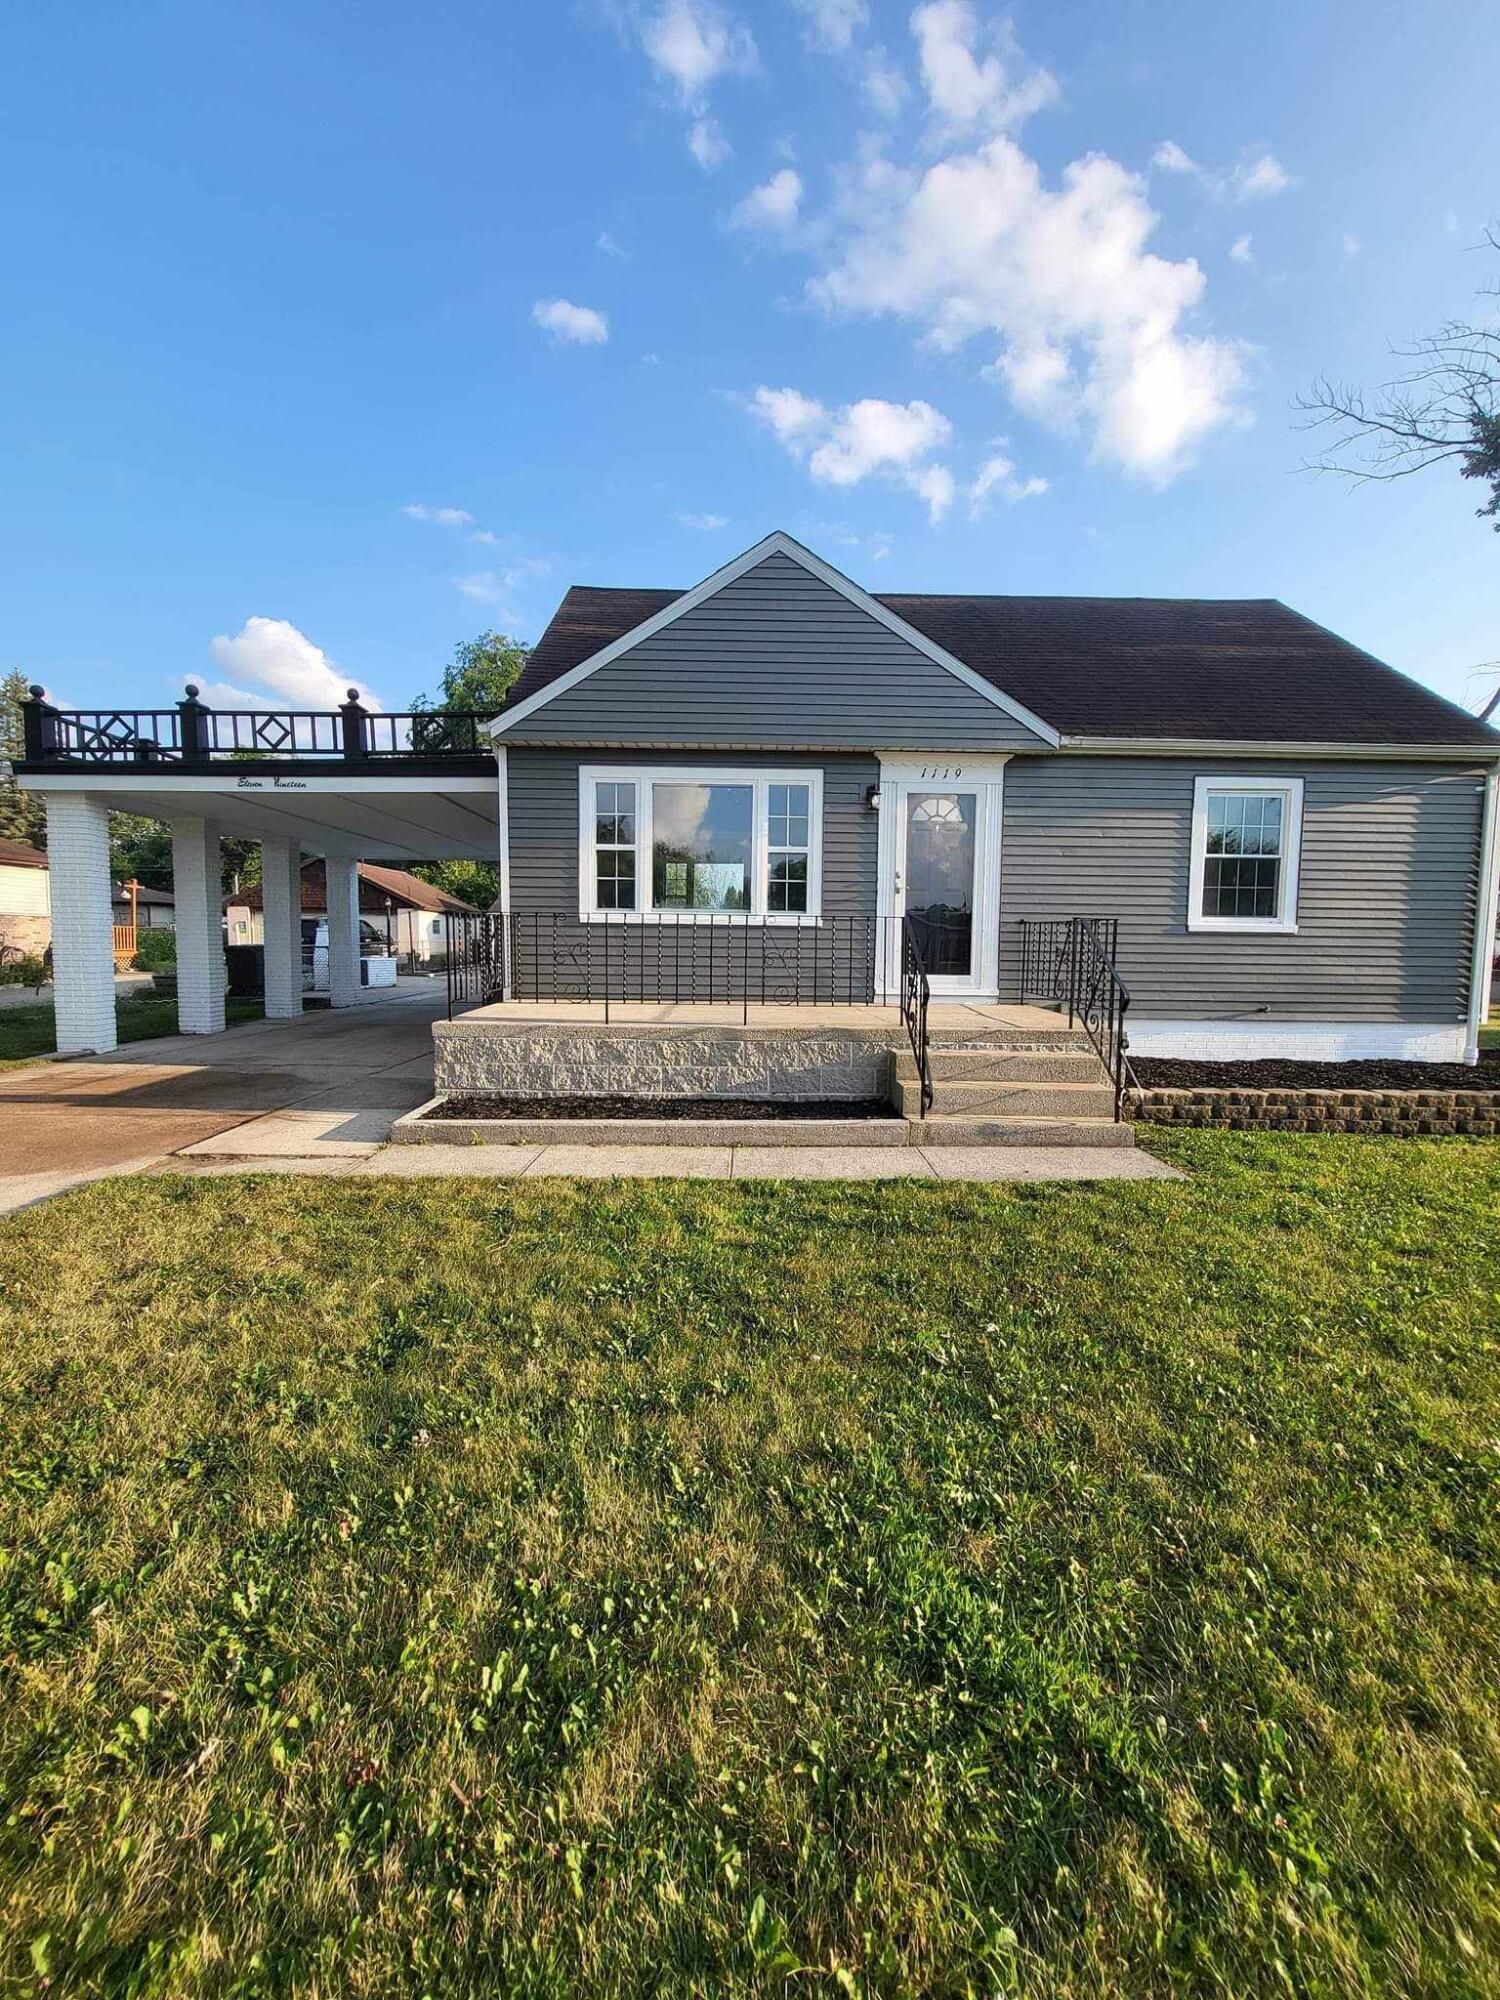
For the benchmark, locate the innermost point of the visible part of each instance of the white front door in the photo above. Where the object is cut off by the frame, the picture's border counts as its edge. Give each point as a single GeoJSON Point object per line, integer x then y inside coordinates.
{"type": "Point", "coordinates": [940, 867]}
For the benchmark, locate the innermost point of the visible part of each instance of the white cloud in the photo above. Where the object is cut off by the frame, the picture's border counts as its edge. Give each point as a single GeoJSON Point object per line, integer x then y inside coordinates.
{"type": "Point", "coordinates": [283, 666]}
{"type": "Point", "coordinates": [1170, 157]}
{"type": "Point", "coordinates": [833, 24]}
{"type": "Point", "coordinates": [707, 144]}
{"type": "Point", "coordinates": [1089, 328]}
{"type": "Point", "coordinates": [605, 242]}
{"type": "Point", "coordinates": [570, 325]}
{"type": "Point", "coordinates": [1259, 174]}
{"type": "Point", "coordinates": [772, 207]}
{"type": "Point", "coordinates": [695, 42]}
{"type": "Point", "coordinates": [498, 586]}
{"type": "Point", "coordinates": [884, 86]}
{"type": "Point", "coordinates": [870, 438]}
{"type": "Point", "coordinates": [444, 517]}
{"type": "Point", "coordinates": [1256, 174]}
{"type": "Point", "coordinates": [704, 524]}
{"type": "Point", "coordinates": [692, 44]}
{"type": "Point", "coordinates": [1351, 245]}
{"type": "Point", "coordinates": [966, 88]}
{"type": "Point", "coordinates": [998, 475]}
{"type": "Point", "coordinates": [1240, 250]}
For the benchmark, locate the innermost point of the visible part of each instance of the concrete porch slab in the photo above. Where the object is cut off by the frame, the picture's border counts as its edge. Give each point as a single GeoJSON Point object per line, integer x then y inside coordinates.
{"type": "Point", "coordinates": [328, 1134]}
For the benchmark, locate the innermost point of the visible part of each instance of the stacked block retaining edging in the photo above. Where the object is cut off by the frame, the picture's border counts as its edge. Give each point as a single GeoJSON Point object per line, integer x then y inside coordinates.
{"type": "Point", "coordinates": [1407, 1114]}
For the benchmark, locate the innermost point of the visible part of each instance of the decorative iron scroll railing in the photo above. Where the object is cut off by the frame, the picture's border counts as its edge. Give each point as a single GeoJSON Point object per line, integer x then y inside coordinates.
{"type": "Point", "coordinates": [1070, 961]}
{"type": "Point", "coordinates": [746, 962]}
{"type": "Point", "coordinates": [192, 734]}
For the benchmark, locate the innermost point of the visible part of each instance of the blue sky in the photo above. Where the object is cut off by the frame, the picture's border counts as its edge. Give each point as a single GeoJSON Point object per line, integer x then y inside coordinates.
{"type": "Point", "coordinates": [334, 334]}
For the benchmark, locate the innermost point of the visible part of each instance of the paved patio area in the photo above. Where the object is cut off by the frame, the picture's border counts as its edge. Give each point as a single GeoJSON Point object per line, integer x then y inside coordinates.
{"type": "Point", "coordinates": [320, 1095]}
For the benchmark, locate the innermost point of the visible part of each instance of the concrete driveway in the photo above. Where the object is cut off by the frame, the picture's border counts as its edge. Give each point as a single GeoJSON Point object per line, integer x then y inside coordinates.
{"type": "Point", "coordinates": [326, 1087]}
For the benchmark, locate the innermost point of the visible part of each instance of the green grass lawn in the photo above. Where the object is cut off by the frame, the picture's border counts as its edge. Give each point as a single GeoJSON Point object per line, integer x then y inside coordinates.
{"type": "Point", "coordinates": [463, 1588]}
{"type": "Point", "coordinates": [29, 1032]}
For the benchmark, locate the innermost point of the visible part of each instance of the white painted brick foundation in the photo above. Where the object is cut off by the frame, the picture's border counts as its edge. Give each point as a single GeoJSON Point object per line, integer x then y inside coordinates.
{"type": "Point", "coordinates": [82, 940]}
{"type": "Point", "coordinates": [281, 889]}
{"type": "Point", "coordinates": [196, 886]}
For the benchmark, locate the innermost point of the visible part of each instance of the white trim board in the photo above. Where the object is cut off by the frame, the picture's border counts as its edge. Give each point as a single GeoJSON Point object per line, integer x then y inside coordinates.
{"type": "Point", "coordinates": [1486, 914]}
{"type": "Point", "coordinates": [1301, 1041]}
{"type": "Point", "coordinates": [776, 543]}
{"type": "Point", "coordinates": [1232, 747]}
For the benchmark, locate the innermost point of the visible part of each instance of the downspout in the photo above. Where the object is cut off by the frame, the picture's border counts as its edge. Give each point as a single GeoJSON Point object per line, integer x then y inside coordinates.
{"type": "Point", "coordinates": [1485, 914]}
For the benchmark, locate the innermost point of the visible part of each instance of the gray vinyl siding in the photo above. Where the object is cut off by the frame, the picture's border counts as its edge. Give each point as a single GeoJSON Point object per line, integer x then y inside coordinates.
{"type": "Point", "coordinates": [558, 957]}
{"type": "Point", "coordinates": [776, 658]}
{"type": "Point", "coordinates": [1385, 907]}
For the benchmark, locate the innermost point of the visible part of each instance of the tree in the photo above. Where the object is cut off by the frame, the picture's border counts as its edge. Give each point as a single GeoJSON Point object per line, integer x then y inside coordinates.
{"type": "Point", "coordinates": [22, 814]}
{"type": "Point", "coordinates": [478, 677]}
{"type": "Point", "coordinates": [480, 674]}
{"type": "Point", "coordinates": [1444, 407]}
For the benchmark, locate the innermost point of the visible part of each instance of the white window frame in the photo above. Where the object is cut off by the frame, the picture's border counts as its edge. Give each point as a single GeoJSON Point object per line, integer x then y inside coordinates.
{"type": "Point", "coordinates": [643, 777]}
{"type": "Point", "coordinates": [1289, 791]}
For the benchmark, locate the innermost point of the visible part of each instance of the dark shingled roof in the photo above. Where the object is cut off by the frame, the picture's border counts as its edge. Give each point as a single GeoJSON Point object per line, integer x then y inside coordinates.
{"type": "Point", "coordinates": [1213, 668]}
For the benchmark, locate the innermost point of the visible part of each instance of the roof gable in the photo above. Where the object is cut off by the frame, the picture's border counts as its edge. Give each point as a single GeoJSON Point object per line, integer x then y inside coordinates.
{"type": "Point", "coordinates": [1117, 669]}
{"type": "Point", "coordinates": [777, 559]}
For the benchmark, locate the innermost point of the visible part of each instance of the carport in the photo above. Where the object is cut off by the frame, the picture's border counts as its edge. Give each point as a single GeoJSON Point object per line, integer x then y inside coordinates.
{"type": "Point", "coordinates": [346, 785]}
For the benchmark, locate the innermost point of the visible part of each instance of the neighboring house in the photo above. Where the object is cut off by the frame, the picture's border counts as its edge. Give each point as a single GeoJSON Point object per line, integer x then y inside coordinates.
{"type": "Point", "coordinates": [26, 900]}
{"type": "Point", "coordinates": [400, 909]}
{"type": "Point", "coordinates": [777, 785]}
{"type": "Point", "coordinates": [25, 904]}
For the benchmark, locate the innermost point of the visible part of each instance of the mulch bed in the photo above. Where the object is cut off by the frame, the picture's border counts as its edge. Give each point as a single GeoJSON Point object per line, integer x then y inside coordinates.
{"type": "Point", "coordinates": [722, 1108]}
{"type": "Point", "coordinates": [1169, 1073]}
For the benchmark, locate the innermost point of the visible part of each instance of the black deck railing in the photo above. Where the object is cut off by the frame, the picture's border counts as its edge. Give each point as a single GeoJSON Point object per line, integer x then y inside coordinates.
{"type": "Point", "coordinates": [697, 957]}
{"type": "Point", "coordinates": [1070, 962]}
{"type": "Point", "coordinates": [190, 734]}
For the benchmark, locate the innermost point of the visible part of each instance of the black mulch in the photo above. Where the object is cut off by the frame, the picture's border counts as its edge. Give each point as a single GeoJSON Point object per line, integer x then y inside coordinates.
{"type": "Point", "coordinates": [1168, 1073]}
{"type": "Point", "coordinates": [656, 1107]}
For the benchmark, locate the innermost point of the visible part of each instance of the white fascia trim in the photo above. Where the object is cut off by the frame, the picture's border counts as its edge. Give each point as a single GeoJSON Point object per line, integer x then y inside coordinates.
{"type": "Point", "coordinates": [1486, 915]}
{"type": "Point", "coordinates": [1284, 923]}
{"type": "Point", "coordinates": [502, 763]}
{"type": "Point", "coordinates": [173, 786]}
{"type": "Point", "coordinates": [1301, 1041]}
{"type": "Point", "coordinates": [757, 779]}
{"type": "Point", "coordinates": [1188, 746]}
{"type": "Point", "coordinates": [777, 543]}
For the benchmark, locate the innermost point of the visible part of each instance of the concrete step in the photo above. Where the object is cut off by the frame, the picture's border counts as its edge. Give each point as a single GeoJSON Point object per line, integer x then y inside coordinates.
{"type": "Point", "coordinates": [1010, 1100]}
{"type": "Point", "coordinates": [1060, 1037]}
{"type": "Point", "coordinates": [957, 1129]}
{"type": "Point", "coordinates": [1005, 1066]}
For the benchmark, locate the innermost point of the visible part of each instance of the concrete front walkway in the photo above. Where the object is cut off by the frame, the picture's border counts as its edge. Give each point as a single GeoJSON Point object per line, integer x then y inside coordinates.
{"type": "Point", "coordinates": [319, 1096]}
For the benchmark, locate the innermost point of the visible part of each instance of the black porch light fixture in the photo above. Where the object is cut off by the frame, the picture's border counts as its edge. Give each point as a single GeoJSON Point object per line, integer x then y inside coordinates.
{"type": "Point", "coordinates": [872, 798]}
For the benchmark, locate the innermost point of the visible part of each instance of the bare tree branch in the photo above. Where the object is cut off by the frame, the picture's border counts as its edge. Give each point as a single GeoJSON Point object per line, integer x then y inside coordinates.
{"type": "Point", "coordinates": [1445, 406]}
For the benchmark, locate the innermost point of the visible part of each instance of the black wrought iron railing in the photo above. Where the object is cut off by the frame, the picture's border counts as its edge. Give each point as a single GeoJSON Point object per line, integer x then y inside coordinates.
{"type": "Point", "coordinates": [192, 734]}
{"type": "Point", "coordinates": [1070, 962]}
{"type": "Point", "coordinates": [691, 957]}
{"type": "Point", "coordinates": [916, 995]}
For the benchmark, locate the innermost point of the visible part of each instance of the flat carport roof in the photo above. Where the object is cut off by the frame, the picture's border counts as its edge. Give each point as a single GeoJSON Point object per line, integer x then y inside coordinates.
{"type": "Point", "coordinates": [403, 815]}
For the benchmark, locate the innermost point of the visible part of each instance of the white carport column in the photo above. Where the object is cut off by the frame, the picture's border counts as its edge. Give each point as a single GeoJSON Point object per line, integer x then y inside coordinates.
{"type": "Point", "coordinates": [83, 966]}
{"type": "Point", "coordinates": [343, 931]}
{"type": "Point", "coordinates": [197, 890]}
{"type": "Point", "coordinates": [281, 898]}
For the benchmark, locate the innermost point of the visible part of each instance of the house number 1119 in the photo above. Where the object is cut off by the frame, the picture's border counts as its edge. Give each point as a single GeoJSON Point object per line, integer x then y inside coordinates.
{"type": "Point", "coordinates": [941, 771]}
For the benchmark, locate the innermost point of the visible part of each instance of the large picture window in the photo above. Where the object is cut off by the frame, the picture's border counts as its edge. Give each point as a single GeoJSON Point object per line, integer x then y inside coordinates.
{"type": "Point", "coordinates": [1245, 851]}
{"type": "Point", "coordinates": [700, 844]}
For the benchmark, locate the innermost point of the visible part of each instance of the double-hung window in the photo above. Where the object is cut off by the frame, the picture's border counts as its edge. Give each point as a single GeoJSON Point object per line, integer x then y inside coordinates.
{"type": "Point", "coordinates": [1247, 836]}
{"type": "Point", "coordinates": [700, 844]}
